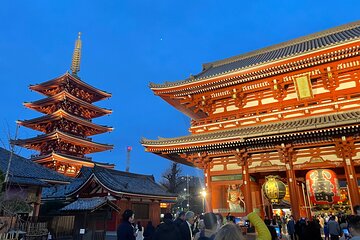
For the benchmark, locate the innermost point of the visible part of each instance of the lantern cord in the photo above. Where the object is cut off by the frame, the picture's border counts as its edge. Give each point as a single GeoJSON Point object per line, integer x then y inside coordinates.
{"type": "Point", "coordinates": [308, 197]}
{"type": "Point", "coordinates": [306, 205]}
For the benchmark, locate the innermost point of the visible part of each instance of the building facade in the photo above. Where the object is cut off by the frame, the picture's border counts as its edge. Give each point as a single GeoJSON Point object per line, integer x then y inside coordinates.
{"type": "Point", "coordinates": [83, 201]}
{"type": "Point", "coordinates": [281, 110]}
{"type": "Point", "coordinates": [25, 182]}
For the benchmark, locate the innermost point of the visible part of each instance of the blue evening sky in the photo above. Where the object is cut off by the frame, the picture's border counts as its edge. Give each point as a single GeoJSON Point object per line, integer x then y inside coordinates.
{"type": "Point", "coordinates": [127, 44]}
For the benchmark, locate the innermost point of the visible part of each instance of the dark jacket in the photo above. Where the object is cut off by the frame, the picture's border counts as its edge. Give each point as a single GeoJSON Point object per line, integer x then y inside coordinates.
{"type": "Point", "coordinates": [273, 233]}
{"type": "Point", "coordinates": [312, 231]}
{"type": "Point", "coordinates": [185, 231]}
{"type": "Point", "coordinates": [166, 231]}
{"type": "Point", "coordinates": [178, 222]}
{"type": "Point", "coordinates": [149, 232]}
{"type": "Point", "coordinates": [291, 227]}
{"type": "Point", "coordinates": [125, 231]}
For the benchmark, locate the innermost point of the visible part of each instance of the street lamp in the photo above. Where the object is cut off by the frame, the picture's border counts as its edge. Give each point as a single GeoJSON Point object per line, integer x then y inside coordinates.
{"type": "Point", "coordinates": [187, 190]}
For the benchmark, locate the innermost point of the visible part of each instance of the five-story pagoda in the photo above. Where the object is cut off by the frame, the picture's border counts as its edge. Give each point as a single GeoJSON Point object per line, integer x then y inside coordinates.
{"type": "Point", "coordinates": [67, 124]}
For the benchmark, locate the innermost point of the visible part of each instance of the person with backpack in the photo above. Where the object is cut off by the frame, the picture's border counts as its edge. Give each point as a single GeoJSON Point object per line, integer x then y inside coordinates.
{"type": "Point", "coordinates": [210, 222]}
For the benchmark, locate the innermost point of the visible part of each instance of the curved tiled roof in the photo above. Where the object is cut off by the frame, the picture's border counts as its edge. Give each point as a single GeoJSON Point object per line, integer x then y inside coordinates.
{"type": "Point", "coordinates": [90, 204]}
{"type": "Point", "coordinates": [65, 96]}
{"type": "Point", "coordinates": [114, 180]}
{"type": "Point", "coordinates": [65, 77]}
{"type": "Point", "coordinates": [62, 136]}
{"type": "Point", "coordinates": [130, 182]}
{"type": "Point", "coordinates": [62, 114]}
{"type": "Point", "coordinates": [239, 134]}
{"type": "Point", "coordinates": [24, 171]}
{"type": "Point", "coordinates": [320, 40]}
{"type": "Point", "coordinates": [62, 191]}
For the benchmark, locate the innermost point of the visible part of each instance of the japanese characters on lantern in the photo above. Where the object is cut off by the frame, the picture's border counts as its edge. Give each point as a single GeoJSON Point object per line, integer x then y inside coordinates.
{"type": "Point", "coordinates": [323, 186]}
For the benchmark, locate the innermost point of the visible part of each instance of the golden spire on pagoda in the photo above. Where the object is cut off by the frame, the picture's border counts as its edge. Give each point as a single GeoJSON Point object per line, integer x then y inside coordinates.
{"type": "Point", "coordinates": [75, 65]}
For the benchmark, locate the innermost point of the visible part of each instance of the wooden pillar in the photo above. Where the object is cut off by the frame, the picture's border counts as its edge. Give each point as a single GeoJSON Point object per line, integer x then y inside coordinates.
{"type": "Point", "coordinates": [247, 194]}
{"type": "Point", "coordinates": [345, 149]}
{"type": "Point", "coordinates": [286, 154]}
{"type": "Point", "coordinates": [352, 181]}
{"type": "Point", "coordinates": [293, 190]}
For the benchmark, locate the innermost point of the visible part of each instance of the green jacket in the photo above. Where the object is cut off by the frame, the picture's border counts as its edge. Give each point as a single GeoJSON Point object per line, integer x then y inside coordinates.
{"type": "Point", "coordinates": [260, 227]}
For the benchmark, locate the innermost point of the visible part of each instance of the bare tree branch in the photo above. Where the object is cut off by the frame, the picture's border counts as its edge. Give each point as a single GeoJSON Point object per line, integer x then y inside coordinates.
{"type": "Point", "coordinates": [171, 178]}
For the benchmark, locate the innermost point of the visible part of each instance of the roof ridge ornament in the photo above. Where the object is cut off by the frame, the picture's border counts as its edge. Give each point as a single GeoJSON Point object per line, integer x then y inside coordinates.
{"type": "Point", "coordinates": [75, 64]}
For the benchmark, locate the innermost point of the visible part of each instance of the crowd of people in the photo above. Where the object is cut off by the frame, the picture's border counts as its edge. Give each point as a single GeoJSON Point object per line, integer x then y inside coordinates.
{"type": "Point", "coordinates": [212, 226]}
{"type": "Point", "coordinates": [319, 227]}
{"type": "Point", "coordinates": [188, 226]}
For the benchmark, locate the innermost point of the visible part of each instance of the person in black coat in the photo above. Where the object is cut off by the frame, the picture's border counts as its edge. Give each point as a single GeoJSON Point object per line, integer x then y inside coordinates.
{"type": "Point", "coordinates": [180, 219]}
{"type": "Point", "coordinates": [186, 227]}
{"type": "Point", "coordinates": [125, 230]}
{"type": "Point", "coordinates": [167, 230]}
{"type": "Point", "coordinates": [149, 231]}
{"type": "Point", "coordinates": [311, 231]}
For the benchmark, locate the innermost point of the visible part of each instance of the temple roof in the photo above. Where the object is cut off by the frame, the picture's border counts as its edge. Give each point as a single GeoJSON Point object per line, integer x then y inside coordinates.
{"type": "Point", "coordinates": [55, 156]}
{"type": "Point", "coordinates": [25, 172]}
{"type": "Point", "coordinates": [303, 45]}
{"type": "Point", "coordinates": [64, 96]}
{"type": "Point", "coordinates": [66, 137]}
{"type": "Point", "coordinates": [68, 77]}
{"type": "Point", "coordinates": [90, 204]}
{"type": "Point", "coordinates": [261, 131]}
{"type": "Point", "coordinates": [60, 114]}
{"type": "Point", "coordinates": [117, 182]}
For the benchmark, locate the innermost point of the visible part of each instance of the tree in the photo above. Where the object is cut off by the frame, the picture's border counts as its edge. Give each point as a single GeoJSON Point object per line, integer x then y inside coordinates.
{"type": "Point", "coordinates": [171, 178]}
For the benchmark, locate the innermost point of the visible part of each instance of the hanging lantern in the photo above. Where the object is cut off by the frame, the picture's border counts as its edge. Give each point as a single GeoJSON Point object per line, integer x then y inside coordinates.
{"type": "Point", "coordinates": [274, 189]}
{"type": "Point", "coordinates": [323, 186]}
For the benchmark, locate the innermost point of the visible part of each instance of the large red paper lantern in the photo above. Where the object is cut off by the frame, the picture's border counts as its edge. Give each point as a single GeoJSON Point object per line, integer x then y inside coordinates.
{"type": "Point", "coordinates": [323, 186]}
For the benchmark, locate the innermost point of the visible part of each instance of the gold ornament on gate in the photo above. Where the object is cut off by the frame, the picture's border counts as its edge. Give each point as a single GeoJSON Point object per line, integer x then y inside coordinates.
{"type": "Point", "coordinates": [274, 189]}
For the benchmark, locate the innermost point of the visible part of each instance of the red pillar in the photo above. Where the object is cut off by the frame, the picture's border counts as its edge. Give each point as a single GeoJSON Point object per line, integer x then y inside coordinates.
{"type": "Point", "coordinates": [352, 181]}
{"type": "Point", "coordinates": [293, 189]}
{"type": "Point", "coordinates": [346, 150]}
{"type": "Point", "coordinates": [208, 189]}
{"type": "Point", "coordinates": [247, 194]}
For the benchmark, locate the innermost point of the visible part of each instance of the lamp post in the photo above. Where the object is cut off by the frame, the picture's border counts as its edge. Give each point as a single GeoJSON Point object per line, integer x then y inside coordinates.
{"type": "Point", "coordinates": [185, 198]}
{"type": "Point", "coordinates": [187, 190]}
{"type": "Point", "coordinates": [203, 194]}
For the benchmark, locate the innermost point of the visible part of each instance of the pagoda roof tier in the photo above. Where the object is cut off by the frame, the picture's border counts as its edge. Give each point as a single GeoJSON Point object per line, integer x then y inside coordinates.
{"type": "Point", "coordinates": [300, 46]}
{"type": "Point", "coordinates": [40, 123]}
{"type": "Point", "coordinates": [244, 136]}
{"type": "Point", "coordinates": [36, 142]}
{"type": "Point", "coordinates": [56, 85]}
{"type": "Point", "coordinates": [72, 160]}
{"type": "Point", "coordinates": [46, 105]}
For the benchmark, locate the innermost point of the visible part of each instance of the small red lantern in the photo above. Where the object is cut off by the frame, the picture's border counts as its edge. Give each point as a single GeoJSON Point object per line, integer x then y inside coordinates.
{"type": "Point", "coordinates": [323, 186]}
